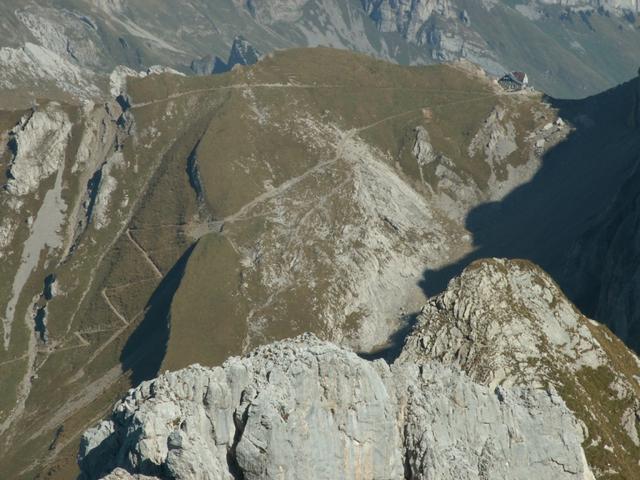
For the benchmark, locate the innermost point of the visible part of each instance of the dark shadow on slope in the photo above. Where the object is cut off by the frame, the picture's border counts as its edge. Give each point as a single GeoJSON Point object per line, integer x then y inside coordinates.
{"type": "Point", "coordinates": [145, 349]}
{"type": "Point", "coordinates": [391, 351]}
{"type": "Point", "coordinates": [576, 184]}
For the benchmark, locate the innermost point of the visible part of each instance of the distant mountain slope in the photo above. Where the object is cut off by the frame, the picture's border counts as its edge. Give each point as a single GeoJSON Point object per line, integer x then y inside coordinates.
{"type": "Point", "coordinates": [602, 271]}
{"type": "Point", "coordinates": [569, 51]}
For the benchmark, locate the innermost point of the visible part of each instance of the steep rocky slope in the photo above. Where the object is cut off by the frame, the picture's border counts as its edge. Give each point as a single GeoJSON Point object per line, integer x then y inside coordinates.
{"type": "Point", "coordinates": [65, 47]}
{"type": "Point", "coordinates": [602, 272]}
{"type": "Point", "coordinates": [540, 386]}
{"type": "Point", "coordinates": [307, 193]}
{"type": "Point", "coordinates": [603, 267]}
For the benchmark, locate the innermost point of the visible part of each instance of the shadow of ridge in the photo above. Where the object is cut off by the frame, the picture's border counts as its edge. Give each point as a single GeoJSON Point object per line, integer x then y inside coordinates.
{"type": "Point", "coordinates": [145, 349]}
{"type": "Point", "coordinates": [576, 184]}
{"type": "Point", "coordinates": [392, 349]}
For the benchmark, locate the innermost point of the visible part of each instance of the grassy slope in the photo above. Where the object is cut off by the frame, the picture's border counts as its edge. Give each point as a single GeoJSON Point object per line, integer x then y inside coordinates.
{"type": "Point", "coordinates": [170, 202]}
{"type": "Point", "coordinates": [352, 91]}
{"type": "Point", "coordinates": [208, 298]}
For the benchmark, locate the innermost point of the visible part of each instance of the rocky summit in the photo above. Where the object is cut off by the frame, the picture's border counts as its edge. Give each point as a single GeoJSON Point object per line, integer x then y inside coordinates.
{"type": "Point", "coordinates": [481, 401]}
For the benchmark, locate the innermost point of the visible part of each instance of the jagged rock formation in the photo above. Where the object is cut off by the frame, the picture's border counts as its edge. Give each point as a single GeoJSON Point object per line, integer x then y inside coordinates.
{"type": "Point", "coordinates": [242, 53]}
{"type": "Point", "coordinates": [306, 408]}
{"type": "Point", "coordinates": [38, 143]}
{"type": "Point", "coordinates": [507, 323]}
{"type": "Point", "coordinates": [474, 323]}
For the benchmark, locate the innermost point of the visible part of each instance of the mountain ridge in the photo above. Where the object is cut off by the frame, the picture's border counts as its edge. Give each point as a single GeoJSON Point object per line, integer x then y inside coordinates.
{"type": "Point", "coordinates": [569, 50]}
{"type": "Point", "coordinates": [358, 173]}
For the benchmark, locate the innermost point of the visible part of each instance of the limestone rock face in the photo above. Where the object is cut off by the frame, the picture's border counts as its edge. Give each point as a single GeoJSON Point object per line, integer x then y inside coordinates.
{"type": "Point", "coordinates": [297, 409]}
{"type": "Point", "coordinates": [71, 36]}
{"type": "Point", "coordinates": [303, 408]}
{"type": "Point", "coordinates": [457, 429]}
{"type": "Point", "coordinates": [39, 145]}
{"type": "Point", "coordinates": [505, 322]}
{"type": "Point", "coordinates": [405, 15]}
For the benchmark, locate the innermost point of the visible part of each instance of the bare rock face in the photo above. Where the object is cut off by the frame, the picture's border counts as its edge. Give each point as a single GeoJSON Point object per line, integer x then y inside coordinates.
{"type": "Point", "coordinates": [297, 409]}
{"type": "Point", "coordinates": [506, 323]}
{"type": "Point", "coordinates": [303, 408]}
{"type": "Point", "coordinates": [406, 16]}
{"type": "Point", "coordinates": [39, 144]}
{"type": "Point", "coordinates": [457, 429]}
{"type": "Point", "coordinates": [121, 474]}
{"type": "Point", "coordinates": [474, 324]}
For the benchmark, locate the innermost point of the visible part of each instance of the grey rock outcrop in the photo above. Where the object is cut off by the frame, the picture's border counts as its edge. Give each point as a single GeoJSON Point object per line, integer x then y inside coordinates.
{"type": "Point", "coordinates": [122, 474]}
{"type": "Point", "coordinates": [474, 323]}
{"type": "Point", "coordinates": [506, 323]}
{"type": "Point", "coordinates": [422, 148]}
{"type": "Point", "coordinates": [39, 146]}
{"type": "Point", "coordinates": [7, 231]}
{"type": "Point", "coordinates": [297, 409]}
{"type": "Point", "coordinates": [242, 53]}
{"type": "Point", "coordinates": [457, 429]}
{"type": "Point", "coordinates": [303, 408]}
